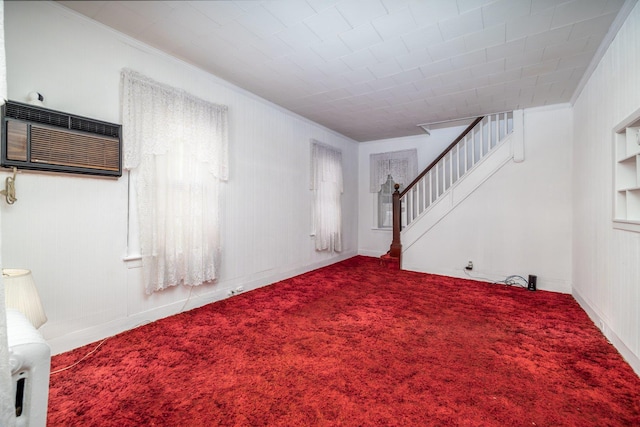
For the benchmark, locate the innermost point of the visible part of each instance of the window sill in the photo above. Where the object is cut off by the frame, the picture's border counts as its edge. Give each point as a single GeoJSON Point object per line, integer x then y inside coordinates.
{"type": "Point", "coordinates": [627, 225]}
{"type": "Point", "coordinates": [133, 261]}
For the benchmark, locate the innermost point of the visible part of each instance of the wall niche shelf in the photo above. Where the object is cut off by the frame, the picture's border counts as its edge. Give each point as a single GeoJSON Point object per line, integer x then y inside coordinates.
{"type": "Point", "coordinates": [626, 145]}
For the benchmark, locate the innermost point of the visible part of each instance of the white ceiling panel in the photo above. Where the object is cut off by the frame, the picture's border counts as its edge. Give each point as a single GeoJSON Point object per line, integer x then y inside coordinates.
{"type": "Point", "coordinates": [361, 37]}
{"type": "Point", "coordinates": [395, 23]}
{"type": "Point", "coordinates": [359, 12]}
{"type": "Point", "coordinates": [289, 13]}
{"type": "Point", "coordinates": [470, 22]}
{"type": "Point", "coordinates": [374, 69]}
{"type": "Point", "coordinates": [328, 23]}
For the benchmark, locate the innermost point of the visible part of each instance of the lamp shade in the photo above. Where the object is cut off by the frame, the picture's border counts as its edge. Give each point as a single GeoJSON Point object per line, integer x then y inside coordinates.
{"type": "Point", "coordinates": [21, 294]}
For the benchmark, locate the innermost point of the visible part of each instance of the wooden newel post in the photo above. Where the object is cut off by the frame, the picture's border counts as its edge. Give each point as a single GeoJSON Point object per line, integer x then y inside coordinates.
{"type": "Point", "coordinates": [396, 247]}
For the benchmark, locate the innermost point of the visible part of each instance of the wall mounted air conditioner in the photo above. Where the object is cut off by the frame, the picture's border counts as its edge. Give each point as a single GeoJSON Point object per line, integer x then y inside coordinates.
{"type": "Point", "coordinates": [37, 138]}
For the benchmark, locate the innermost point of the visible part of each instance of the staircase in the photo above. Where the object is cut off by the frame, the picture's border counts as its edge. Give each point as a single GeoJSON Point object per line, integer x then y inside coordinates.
{"type": "Point", "coordinates": [485, 146]}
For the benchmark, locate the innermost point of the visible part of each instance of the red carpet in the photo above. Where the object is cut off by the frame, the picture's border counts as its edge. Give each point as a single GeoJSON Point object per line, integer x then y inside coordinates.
{"type": "Point", "coordinates": [356, 344]}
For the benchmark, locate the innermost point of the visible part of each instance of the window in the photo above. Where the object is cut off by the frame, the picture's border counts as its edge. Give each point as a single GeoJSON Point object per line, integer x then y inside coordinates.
{"type": "Point", "coordinates": [176, 149]}
{"type": "Point", "coordinates": [387, 169]}
{"type": "Point", "coordinates": [326, 184]}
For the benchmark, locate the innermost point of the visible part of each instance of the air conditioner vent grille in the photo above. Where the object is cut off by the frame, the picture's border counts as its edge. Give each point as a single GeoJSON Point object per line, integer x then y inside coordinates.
{"type": "Point", "coordinates": [93, 126]}
{"type": "Point", "coordinates": [54, 118]}
{"type": "Point", "coordinates": [37, 115]}
{"type": "Point", "coordinates": [41, 139]}
{"type": "Point", "coordinates": [55, 147]}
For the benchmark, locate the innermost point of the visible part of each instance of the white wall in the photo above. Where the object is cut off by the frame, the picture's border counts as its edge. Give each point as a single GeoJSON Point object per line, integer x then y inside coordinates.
{"type": "Point", "coordinates": [372, 240]}
{"type": "Point", "coordinates": [606, 262]}
{"type": "Point", "coordinates": [71, 231]}
{"type": "Point", "coordinates": [518, 222]}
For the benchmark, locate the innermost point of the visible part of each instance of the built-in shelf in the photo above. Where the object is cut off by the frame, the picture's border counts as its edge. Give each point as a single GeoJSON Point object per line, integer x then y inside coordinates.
{"type": "Point", "coordinates": [626, 204]}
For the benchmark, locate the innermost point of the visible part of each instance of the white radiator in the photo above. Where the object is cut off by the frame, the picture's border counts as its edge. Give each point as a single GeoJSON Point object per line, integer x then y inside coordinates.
{"type": "Point", "coordinates": [30, 360]}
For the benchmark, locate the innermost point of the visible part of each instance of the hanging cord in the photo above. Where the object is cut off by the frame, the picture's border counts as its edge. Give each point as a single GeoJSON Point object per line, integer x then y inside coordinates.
{"type": "Point", "coordinates": [93, 351]}
{"type": "Point", "coordinates": [512, 280]}
{"type": "Point", "coordinates": [9, 191]}
{"type": "Point", "coordinates": [104, 340]}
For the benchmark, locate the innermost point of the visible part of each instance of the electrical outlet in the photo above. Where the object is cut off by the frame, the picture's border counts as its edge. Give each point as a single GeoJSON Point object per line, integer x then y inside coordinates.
{"type": "Point", "coordinates": [469, 266]}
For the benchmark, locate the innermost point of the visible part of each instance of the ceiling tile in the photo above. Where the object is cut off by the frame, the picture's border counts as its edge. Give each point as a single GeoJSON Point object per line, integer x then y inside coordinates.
{"type": "Point", "coordinates": [447, 49]}
{"type": "Point", "coordinates": [575, 61]}
{"type": "Point", "coordinates": [575, 11]}
{"type": "Point", "coordinates": [406, 77]}
{"type": "Point", "coordinates": [290, 12]}
{"type": "Point", "coordinates": [486, 38]}
{"type": "Point", "coordinates": [469, 59]}
{"type": "Point", "coordinates": [119, 17]}
{"type": "Point", "coordinates": [321, 5]}
{"type": "Point", "coordinates": [527, 25]}
{"type": "Point", "coordinates": [423, 37]}
{"type": "Point", "coordinates": [436, 68]}
{"type": "Point", "coordinates": [541, 40]}
{"type": "Point", "coordinates": [383, 69]}
{"type": "Point", "coordinates": [359, 76]}
{"type": "Point", "coordinates": [156, 36]}
{"type": "Point", "coordinates": [161, 10]}
{"type": "Point", "coordinates": [555, 76]}
{"type": "Point", "coordinates": [511, 48]}
{"type": "Point", "coordinates": [596, 27]}
{"type": "Point", "coordinates": [545, 67]}
{"type": "Point", "coordinates": [455, 76]}
{"type": "Point", "coordinates": [470, 22]}
{"type": "Point", "coordinates": [381, 83]}
{"type": "Point", "coordinates": [360, 59]}
{"type": "Point", "coordinates": [414, 59]}
{"type": "Point", "coordinates": [389, 49]}
{"type": "Point", "coordinates": [298, 36]}
{"type": "Point", "coordinates": [221, 12]}
{"type": "Point", "coordinates": [361, 37]}
{"type": "Point", "coordinates": [394, 24]}
{"type": "Point", "coordinates": [504, 11]}
{"type": "Point", "coordinates": [524, 59]}
{"type": "Point", "coordinates": [331, 49]}
{"type": "Point", "coordinates": [565, 49]}
{"type": "Point", "coordinates": [334, 67]}
{"type": "Point", "coordinates": [261, 22]}
{"type": "Point", "coordinates": [273, 47]}
{"type": "Point", "coordinates": [430, 12]}
{"type": "Point", "coordinates": [506, 76]}
{"type": "Point", "coordinates": [359, 12]}
{"type": "Point", "coordinates": [489, 68]}
{"type": "Point", "coordinates": [327, 23]}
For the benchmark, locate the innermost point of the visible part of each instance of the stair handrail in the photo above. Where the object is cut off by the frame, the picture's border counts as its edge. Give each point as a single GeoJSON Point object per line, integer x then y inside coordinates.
{"type": "Point", "coordinates": [441, 156]}
{"type": "Point", "coordinates": [395, 250]}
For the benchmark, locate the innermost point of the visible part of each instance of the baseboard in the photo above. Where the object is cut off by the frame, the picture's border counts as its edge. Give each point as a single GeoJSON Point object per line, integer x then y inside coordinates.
{"type": "Point", "coordinates": [631, 358]}
{"type": "Point", "coordinates": [371, 253]}
{"type": "Point", "coordinates": [98, 333]}
{"type": "Point", "coordinates": [544, 284]}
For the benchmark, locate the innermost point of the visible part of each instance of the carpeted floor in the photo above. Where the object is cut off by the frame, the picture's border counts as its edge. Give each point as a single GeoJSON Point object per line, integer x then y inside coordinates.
{"type": "Point", "coordinates": [355, 344]}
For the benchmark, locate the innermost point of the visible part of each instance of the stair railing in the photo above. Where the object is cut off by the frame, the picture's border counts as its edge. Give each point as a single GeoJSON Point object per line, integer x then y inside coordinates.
{"type": "Point", "coordinates": [473, 144]}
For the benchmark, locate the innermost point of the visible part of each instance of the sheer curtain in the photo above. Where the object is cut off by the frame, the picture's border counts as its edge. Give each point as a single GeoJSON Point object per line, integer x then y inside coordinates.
{"type": "Point", "coordinates": [401, 165]}
{"type": "Point", "coordinates": [177, 147]}
{"type": "Point", "coordinates": [7, 396]}
{"type": "Point", "coordinates": [326, 184]}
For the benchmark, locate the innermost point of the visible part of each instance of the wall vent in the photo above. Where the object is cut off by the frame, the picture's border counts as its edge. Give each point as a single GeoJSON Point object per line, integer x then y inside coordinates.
{"type": "Point", "coordinates": [37, 138]}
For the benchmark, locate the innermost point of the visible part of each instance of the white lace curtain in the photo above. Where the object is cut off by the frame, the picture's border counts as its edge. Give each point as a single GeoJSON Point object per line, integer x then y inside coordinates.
{"type": "Point", "coordinates": [326, 184]}
{"type": "Point", "coordinates": [177, 144]}
{"type": "Point", "coordinates": [401, 165]}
